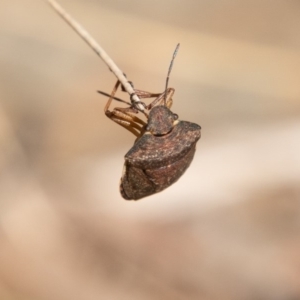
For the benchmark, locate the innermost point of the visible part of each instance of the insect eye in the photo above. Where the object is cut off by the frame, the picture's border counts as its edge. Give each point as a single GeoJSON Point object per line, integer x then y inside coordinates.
{"type": "Point", "coordinates": [175, 116]}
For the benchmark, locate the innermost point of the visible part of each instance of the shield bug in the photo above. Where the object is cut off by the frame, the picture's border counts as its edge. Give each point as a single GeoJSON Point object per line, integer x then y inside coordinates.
{"type": "Point", "coordinates": [164, 147]}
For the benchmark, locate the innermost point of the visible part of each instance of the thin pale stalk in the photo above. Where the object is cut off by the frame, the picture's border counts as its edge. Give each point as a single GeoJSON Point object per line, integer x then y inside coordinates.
{"type": "Point", "coordinates": [98, 49]}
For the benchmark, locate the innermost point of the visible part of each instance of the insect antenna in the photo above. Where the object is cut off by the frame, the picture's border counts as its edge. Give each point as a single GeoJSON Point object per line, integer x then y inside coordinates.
{"type": "Point", "coordinates": [169, 71]}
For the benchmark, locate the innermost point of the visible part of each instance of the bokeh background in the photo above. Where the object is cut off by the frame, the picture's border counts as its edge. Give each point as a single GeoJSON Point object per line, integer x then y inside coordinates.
{"type": "Point", "coordinates": [228, 229]}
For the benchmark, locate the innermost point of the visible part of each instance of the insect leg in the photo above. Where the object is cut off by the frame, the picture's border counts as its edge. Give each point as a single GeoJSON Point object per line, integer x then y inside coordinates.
{"type": "Point", "coordinates": [127, 120]}
{"type": "Point", "coordinates": [161, 99]}
{"type": "Point", "coordinates": [106, 107]}
{"type": "Point", "coordinates": [169, 98]}
{"type": "Point", "coordinates": [124, 116]}
{"type": "Point", "coordinates": [144, 94]}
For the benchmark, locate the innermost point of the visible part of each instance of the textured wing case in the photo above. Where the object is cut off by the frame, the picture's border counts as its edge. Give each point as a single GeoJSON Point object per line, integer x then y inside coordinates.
{"type": "Point", "coordinates": [156, 162]}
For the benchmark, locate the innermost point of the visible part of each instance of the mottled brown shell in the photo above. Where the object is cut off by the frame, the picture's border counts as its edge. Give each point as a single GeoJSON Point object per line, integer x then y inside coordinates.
{"type": "Point", "coordinates": [156, 162]}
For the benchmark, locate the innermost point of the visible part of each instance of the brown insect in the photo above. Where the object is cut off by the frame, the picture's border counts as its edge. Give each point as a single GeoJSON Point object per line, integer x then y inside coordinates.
{"type": "Point", "coordinates": [164, 148]}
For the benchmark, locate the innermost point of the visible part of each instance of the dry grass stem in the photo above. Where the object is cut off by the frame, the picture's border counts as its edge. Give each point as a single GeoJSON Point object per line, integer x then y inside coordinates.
{"type": "Point", "coordinates": [97, 48]}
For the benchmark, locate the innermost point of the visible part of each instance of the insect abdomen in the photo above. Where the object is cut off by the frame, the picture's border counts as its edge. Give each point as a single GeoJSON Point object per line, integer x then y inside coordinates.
{"type": "Point", "coordinates": [137, 183]}
{"type": "Point", "coordinates": [165, 176]}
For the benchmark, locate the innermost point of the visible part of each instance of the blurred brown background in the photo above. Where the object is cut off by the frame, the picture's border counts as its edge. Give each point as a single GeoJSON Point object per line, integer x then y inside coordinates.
{"type": "Point", "coordinates": [229, 229]}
